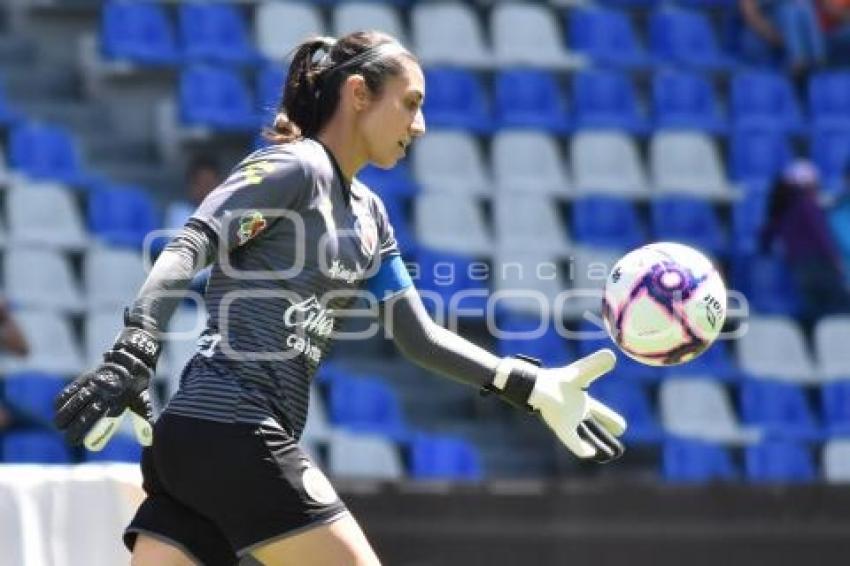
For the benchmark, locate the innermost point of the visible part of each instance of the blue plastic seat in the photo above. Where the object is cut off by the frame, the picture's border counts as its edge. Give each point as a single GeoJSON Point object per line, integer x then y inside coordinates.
{"type": "Point", "coordinates": [780, 409]}
{"type": "Point", "coordinates": [34, 447]}
{"type": "Point", "coordinates": [394, 183]}
{"type": "Point", "coordinates": [121, 448]}
{"type": "Point", "coordinates": [688, 220]}
{"type": "Point", "coordinates": [606, 100]}
{"type": "Point", "coordinates": [121, 216]}
{"type": "Point", "coordinates": [138, 32]}
{"type": "Point", "coordinates": [779, 462]}
{"type": "Point", "coordinates": [9, 115]}
{"type": "Point", "coordinates": [829, 99]}
{"type": "Point", "coordinates": [366, 404]}
{"type": "Point", "coordinates": [217, 99]}
{"type": "Point", "coordinates": [445, 276]}
{"type": "Point", "coordinates": [607, 222]}
{"type": "Point", "coordinates": [695, 461]}
{"type": "Point", "coordinates": [33, 394]}
{"type": "Point", "coordinates": [748, 218]}
{"type": "Point", "coordinates": [606, 36]}
{"type": "Point", "coordinates": [685, 37]}
{"type": "Point", "coordinates": [757, 155]}
{"type": "Point", "coordinates": [716, 361]}
{"type": "Point", "coordinates": [632, 401]}
{"type": "Point", "coordinates": [516, 329]}
{"type": "Point", "coordinates": [400, 221]}
{"type": "Point", "coordinates": [434, 457]}
{"type": "Point", "coordinates": [835, 400]}
{"type": "Point", "coordinates": [47, 153]}
{"type": "Point", "coordinates": [764, 99]}
{"type": "Point", "coordinates": [269, 88]}
{"type": "Point", "coordinates": [764, 280]}
{"type": "Point", "coordinates": [830, 150]}
{"type": "Point", "coordinates": [456, 99]}
{"type": "Point", "coordinates": [215, 32]}
{"type": "Point", "coordinates": [684, 100]}
{"type": "Point", "coordinates": [530, 98]}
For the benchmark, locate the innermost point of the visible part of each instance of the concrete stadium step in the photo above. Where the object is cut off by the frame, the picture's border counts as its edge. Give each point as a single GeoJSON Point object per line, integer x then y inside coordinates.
{"type": "Point", "coordinates": [78, 117]}
{"type": "Point", "coordinates": [22, 83]}
{"type": "Point", "coordinates": [163, 184]}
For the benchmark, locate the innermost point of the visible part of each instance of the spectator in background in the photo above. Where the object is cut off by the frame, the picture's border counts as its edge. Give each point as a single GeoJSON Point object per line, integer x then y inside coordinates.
{"type": "Point", "coordinates": [202, 175]}
{"type": "Point", "coordinates": [835, 22]}
{"type": "Point", "coordinates": [12, 341]}
{"type": "Point", "coordinates": [839, 222]}
{"type": "Point", "coordinates": [789, 25]}
{"type": "Point", "coordinates": [797, 225]}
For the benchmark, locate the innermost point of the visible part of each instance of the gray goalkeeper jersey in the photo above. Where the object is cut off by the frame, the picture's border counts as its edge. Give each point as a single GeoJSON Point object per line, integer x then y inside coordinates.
{"type": "Point", "coordinates": [295, 245]}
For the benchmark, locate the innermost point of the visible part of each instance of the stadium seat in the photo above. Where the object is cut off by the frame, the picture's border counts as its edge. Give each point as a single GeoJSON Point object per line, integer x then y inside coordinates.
{"type": "Point", "coordinates": [632, 401]}
{"type": "Point", "coordinates": [700, 408]}
{"type": "Point", "coordinates": [34, 447]}
{"type": "Point", "coordinates": [390, 184]}
{"type": "Point", "coordinates": [686, 100]}
{"type": "Point", "coordinates": [121, 216]}
{"type": "Point", "coordinates": [440, 457]}
{"type": "Point", "coordinates": [216, 98]}
{"type": "Point", "coordinates": [830, 340]}
{"type": "Point", "coordinates": [835, 401]}
{"type": "Point", "coordinates": [138, 32]}
{"type": "Point", "coordinates": [528, 162]}
{"type": "Point", "coordinates": [280, 26]}
{"type": "Point", "coordinates": [694, 461]}
{"type": "Point", "coordinates": [748, 217]}
{"type": "Point", "coordinates": [47, 153]}
{"type": "Point", "coordinates": [763, 99]}
{"type": "Point", "coordinates": [184, 328]}
{"type": "Point", "coordinates": [530, 98]}
{"type": "Point", "coordinates": [687, 163]}
{"type": "Point", "coordinates": [587, 271]}
{"type": "Point", "coordinates": [716, 361]}
{"type": "Point", "coordinates": [528, 35]}
{"type": "Point", "coordinates": [757, 155]}
{"type": "Point", "coordinates": [829, 99]}
{"type": "Point", "coordinates": [452, 223]}
{"type": "Point", "coordinates": [363, 456]}
{"type": "Point", "coordinates": [763, 280]}
{"type": "Point", "coordinates": [830, 150]}
{"type": "Point", "coordinates": [45, 214]}
{"type": "Point", "coordinates": [448, 282]}
{"type": "Point", "coordinates": [450, 162]}
{"type": "Point", "coordinates": [607, 162]}
{"type": "Point", "coordinates": [121, 448]}
{"type": "Point", "coordinates": [400, 219]}
{"type": "Point", "coordinates": [836, 460]}
{"type": "Point", "coordinates": [354, 16]}
{"type": "Point", "coordinates": [448, 33]}
{"type": "Point", "coordinates": [216, 33]}
{"type": "Point", "coordinates": [606, 100]}
{"type": "Point", "coordinates": [779, 462]}
{"type": "Point", "coordinates": [112, 276]}
{"type": "Point", "coordinates": [591, 335]}
{"type": "Point", "coordinates": [779, 409]}
{"type": "Point", "coordinates": [269, 90]}
{"type": "Point", "coordinates": [100, 327]}
{"type": "Point", "coordinates": [366, 405]}
{"type": "Point", "coordinates": [318, 428]}
{"type": "Point", "coordinates": [774, 346]}
{"type": "Point", "coordinates": [53, 347]}
{"type": "Point", "coordinates": [13, 537]}
{"type": "Point", "coordinates": [41, 278]}
{"type": "Point", "coordinates": [526, 283]}
{"type": "Point", "coordinates": [9, 115]}
{"type": "Point", "coordinates": [606, 36]}
{"type": "Point", "coordinates": [607, 222]}
{"type": "Point", "coordinates": [456, 99]}
{"type": "Point", "coordinates": [532, 336]}
{"type": "Point", "coordinates": [525, 224]}
{"type": "Point", "coordinates": [688, 220]}
{"type": "Point", "coordinates": [685, 37]}
{"type": "Point", "coordinates": [33, 394]}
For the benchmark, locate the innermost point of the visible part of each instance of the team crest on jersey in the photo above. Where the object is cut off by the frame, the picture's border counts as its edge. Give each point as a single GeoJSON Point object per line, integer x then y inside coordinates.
{"type": "Point", "coordinates": [368, 234]}
{"type": "Point", "coordinates": [251, 224]}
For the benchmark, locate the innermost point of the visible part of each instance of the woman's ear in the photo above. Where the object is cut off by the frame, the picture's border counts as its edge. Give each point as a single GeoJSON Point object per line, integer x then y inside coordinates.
{"type": "Point", "coordinates": [359, 92]}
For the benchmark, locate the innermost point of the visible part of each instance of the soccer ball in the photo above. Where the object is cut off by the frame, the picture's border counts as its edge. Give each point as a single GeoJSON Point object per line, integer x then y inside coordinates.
{"type": "Point", "coordinates": [664, 304]}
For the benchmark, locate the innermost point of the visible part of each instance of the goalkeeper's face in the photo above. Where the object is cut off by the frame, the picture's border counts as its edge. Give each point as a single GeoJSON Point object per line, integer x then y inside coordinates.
{"type": "Point", "coordinates": [394, 117]}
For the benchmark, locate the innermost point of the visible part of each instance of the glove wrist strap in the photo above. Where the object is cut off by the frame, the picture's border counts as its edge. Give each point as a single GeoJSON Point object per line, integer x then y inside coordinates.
{"type": "Point", "coordinates": [514, 380]}
{"type": "Point", "coordinates": [140, 343]}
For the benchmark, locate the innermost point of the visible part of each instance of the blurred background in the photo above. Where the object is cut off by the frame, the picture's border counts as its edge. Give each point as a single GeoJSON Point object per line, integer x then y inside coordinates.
{"type": "Point", "coordinates": [561, 133]}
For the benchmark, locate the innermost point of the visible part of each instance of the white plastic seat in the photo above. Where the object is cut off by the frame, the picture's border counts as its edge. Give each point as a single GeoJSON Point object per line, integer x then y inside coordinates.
{"type": "Point", "coordinates": [184, 328]}
{"type": "Point", "coordinates": [452, 223]}
{"type": "Point", "coordinates": [524, 224]}
{"type": "Point", "coordinates": [356, 16]}
{"type": "Point", "coordinates": [607, 162]}
{"type": "Point", "coordinates": [450, 162]}
{"type": "Point", "coordinates": [836, 460]}
{"type": "Point", "coordinates": [774, 347]}
{"type": "Point", "coordinates": [528, 162]}
{"type": "Point", "coordinates": [588, 269]}
{"type": "Point", "coordinates": [12, 537]}
{"type": "Point", "coordinates": [695, 407]}
{"type": "Point", "coordinates": [363, 456]}
{"type": "Point", "coordinates": [448, 33]}
{"type": "Point", "coordinates": [112, 276]}
{"type": "Point", "coordinates": [528, 34]}
{"type": "Point", "coordinates": [527, 282]}
{"type": "Point", "coordinates": [318, 428]}
{"type": "Point", "coordinates": [831, 351]}
{"type": "Point", "coordinates": [53, 348]}
{"type": "Point", "coordinates": [44, 214]}
{"type": "Point", "coordinates": [280, 26]}
{"type": "Point", "coordinates": [687, 162]}
{"type": "Point", "coordinates": [100, 329]}
{"type": "Point", "coordinates": [41, 278]}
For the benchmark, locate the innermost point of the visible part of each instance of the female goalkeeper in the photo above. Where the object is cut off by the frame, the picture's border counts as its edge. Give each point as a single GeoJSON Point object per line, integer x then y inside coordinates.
{"type": "Point", "coordinates": [293, 238]}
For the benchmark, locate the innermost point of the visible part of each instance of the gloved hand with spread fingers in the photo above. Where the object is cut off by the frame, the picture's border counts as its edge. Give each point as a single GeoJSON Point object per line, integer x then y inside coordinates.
{"type": "Point", "coordinates": [90, 409]}
{"type": "Point", "coordinates": [583, 424]}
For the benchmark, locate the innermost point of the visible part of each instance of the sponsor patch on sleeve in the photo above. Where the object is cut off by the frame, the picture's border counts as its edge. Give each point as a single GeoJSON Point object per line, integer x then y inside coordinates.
{"type": "Point", "coordinates": [250, 225]}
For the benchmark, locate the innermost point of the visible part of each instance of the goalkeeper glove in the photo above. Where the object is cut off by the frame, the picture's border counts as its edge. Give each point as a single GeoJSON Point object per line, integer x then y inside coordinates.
{"type": "Point", "coordinates": [90, 409]}
{"type": "Point", "coordinates": [588, 428]}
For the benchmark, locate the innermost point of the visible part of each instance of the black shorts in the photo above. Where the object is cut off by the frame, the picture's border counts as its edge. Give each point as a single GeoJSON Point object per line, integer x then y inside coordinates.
{"type": "Point", "coordinates": [218, 491]}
